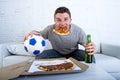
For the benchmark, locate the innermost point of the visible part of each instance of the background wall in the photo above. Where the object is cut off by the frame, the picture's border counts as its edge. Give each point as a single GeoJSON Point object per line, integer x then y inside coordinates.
{"type": "Point", "coordinates": [101, 18]}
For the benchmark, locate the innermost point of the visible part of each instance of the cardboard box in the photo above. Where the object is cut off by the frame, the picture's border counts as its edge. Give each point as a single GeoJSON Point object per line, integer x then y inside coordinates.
{"type": "Point", "coordinates": [12, 71]}
{"type": "Point", "coordinates": [22, 68]}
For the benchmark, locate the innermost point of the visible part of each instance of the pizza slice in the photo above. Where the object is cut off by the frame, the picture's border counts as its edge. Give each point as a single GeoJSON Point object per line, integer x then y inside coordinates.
{"type": "Point", "coordinates": [57, 67]}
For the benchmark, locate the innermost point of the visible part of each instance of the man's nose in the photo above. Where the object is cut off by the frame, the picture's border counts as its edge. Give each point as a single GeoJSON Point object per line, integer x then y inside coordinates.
{"type": "Point", "coordinates": [62, 23]}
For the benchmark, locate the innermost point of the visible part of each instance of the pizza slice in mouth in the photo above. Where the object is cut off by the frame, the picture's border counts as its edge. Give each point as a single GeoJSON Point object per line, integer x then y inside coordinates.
{"type": "Point", "coordinates": [61, 31]}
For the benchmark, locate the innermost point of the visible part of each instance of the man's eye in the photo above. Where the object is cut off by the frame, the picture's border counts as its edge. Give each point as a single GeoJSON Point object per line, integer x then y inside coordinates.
{"type": "Point", "coordinates": [66, 19]}
{"type": "Point", "coordinates": [58, 20]}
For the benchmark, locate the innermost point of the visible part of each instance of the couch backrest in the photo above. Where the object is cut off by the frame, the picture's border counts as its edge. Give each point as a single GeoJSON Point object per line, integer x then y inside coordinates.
{"type": "Point", "coordinates": [110, 49]}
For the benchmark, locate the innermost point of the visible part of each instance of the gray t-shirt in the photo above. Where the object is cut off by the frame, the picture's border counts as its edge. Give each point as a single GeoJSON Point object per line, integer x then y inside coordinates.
{"type": "Point", "coordinates": [65, 44]}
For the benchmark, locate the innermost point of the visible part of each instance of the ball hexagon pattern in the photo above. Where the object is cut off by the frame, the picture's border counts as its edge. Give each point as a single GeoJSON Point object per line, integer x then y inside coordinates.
{"type": "Point", "coordinates": [34, 45]}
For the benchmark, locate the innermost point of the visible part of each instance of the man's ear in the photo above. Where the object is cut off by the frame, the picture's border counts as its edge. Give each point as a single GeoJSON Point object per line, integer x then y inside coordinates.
{"type": "Point", "coordinates": [71, 20]}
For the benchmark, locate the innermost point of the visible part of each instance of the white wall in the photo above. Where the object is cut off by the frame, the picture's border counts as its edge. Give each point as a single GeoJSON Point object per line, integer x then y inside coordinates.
{"type": "Point", "coordinates": [101, 18]}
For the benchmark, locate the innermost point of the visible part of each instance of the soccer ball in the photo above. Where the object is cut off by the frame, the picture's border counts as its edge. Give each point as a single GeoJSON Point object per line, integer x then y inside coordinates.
{"type": "Point", "coordinates": [34, 45]}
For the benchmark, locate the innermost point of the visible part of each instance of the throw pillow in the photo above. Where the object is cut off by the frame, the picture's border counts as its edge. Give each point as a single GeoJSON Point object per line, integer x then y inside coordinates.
{"type": "Point", "coordinates": [17, 49]}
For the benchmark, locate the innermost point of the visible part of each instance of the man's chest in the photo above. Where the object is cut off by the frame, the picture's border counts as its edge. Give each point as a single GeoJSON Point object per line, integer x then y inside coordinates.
{"type": "Point", "coordinates": [64, 39]}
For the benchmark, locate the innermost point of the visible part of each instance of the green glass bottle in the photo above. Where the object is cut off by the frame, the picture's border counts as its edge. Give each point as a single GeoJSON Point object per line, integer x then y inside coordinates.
{"type": "Point", "coordinates": [88, 58]}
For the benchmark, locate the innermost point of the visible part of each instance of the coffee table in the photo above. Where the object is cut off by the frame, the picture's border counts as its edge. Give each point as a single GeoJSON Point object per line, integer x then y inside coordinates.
{"type": "Point", "coordinates": [92, 73]}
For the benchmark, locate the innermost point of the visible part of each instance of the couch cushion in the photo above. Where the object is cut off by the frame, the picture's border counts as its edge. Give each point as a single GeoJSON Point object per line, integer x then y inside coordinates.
{"type": "Point", "coordinates": [17, 49]}
{"type": "Point", "coordinates": [9, 60]}
{"type": "Point", "coordinates": [108, 63]}
{"type": "Point", "coordinates": [116, 75]}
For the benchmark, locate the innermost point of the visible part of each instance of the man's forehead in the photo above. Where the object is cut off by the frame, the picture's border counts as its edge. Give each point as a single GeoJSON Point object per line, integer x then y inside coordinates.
{"type": "Point", "coordinates": [61, 15]}
{"type": "Point", "coordinates": [61, 18]}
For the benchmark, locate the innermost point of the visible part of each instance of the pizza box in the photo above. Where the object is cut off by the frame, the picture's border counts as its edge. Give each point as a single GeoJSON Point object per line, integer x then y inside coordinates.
{"type": "Point", "coordinates": [79, 64]}
{"type": "Point", "coordinates": [12, 71]}
{"type": "Point", "coordinates": [22, 69]}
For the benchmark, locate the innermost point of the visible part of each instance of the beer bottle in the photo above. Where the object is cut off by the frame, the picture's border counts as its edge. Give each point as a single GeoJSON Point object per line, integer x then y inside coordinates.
{"type": "Point", "coordinates": [88, 58]}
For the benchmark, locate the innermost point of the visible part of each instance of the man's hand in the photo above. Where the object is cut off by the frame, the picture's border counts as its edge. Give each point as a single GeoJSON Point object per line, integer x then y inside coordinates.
{"type": "Point", "coordinates": [31, 33]}
{"type": "Point", "coordinates": [90, 48]}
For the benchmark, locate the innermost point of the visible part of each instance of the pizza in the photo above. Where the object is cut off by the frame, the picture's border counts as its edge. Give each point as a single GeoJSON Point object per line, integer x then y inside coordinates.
{"type": "Point", "coordinates": [57, 67]}
{"type": "Point", "coordinates": [61, 31]}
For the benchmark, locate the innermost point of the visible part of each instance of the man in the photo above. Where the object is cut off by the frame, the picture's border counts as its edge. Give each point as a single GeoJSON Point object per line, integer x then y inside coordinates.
{"type": "Point", "coordinates": [64, 37]}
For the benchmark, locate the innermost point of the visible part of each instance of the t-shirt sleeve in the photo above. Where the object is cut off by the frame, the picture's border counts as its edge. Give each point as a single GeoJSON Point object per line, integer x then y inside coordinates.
{"type": "Point", "coordinates": [45, 32]}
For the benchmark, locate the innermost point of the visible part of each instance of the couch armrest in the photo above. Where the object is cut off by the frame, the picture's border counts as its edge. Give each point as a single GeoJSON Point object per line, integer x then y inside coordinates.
{"type": "Point", "coordinates": [110, 49]}
{"type": "Point", "coordinates": [3, 52]}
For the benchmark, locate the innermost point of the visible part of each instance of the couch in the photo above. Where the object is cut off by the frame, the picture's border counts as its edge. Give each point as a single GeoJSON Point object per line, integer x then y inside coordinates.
{"type": "Point", "coordinates": [107, 56]}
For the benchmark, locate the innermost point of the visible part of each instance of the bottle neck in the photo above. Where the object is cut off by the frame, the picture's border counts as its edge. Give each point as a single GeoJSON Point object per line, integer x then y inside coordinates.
{"type": "Point", "coordinates": [88, 38]}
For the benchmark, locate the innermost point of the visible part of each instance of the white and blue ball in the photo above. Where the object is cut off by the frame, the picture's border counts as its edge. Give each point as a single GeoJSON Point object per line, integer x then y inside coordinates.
{"type": "Point", "coordinates": [35, 44]}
